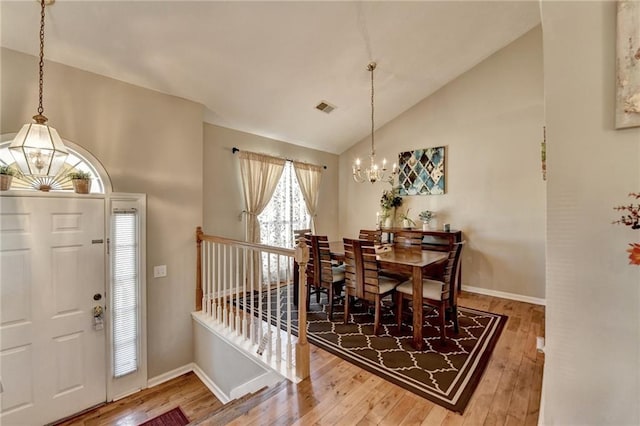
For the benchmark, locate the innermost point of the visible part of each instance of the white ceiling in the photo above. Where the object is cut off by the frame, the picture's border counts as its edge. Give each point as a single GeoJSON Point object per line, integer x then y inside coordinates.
{"type": "Point", "coordinates": [261, 67]}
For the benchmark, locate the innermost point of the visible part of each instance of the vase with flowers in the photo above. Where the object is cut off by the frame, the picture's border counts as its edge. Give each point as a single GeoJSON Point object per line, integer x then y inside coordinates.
{"type": "Point", "coordinates": [426, 216]}
{"type": "Point", "coordinates": [389, 201]}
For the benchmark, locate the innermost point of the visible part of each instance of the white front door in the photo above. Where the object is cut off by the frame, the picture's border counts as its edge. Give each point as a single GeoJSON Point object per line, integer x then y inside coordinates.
{"type": "Point", "coordinates": [52, 359]}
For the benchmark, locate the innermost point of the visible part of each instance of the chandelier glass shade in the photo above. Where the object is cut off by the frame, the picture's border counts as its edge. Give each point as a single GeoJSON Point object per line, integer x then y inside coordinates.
{"type": "Point", "coordinates": [37, 148]}
{"type": "Point", "coordinates": [373, 172]}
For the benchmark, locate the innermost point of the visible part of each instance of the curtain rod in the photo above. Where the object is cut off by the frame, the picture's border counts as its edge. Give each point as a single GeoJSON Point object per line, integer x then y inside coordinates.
{"type": "Point", "coordinates": [235, 149]}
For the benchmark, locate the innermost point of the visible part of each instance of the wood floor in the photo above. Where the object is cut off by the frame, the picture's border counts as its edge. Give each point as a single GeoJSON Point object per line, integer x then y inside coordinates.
{"type": "Point", "coordinates": [186, 391]}
{"type": "Point", "coordinates": [341, 393]}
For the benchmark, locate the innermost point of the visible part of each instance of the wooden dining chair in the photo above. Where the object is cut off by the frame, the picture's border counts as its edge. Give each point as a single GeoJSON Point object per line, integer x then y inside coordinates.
{"type": "Point", "coordinates": [438, 294]}
{"type": "Point", "coordinates": [362, 279]}
{"type": "Point", "coordinates": [374, 235]}
{"type": "Point", "coordinates": [408, 239]}
{"type": "Point", "coordinates": [297, 233]}
{"type": "Point", "coordinates": [328, 278]}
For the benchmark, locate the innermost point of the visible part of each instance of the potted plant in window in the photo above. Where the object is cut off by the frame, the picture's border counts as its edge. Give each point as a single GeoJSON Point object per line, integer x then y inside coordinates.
{"type": "Point", "coordinates": [81, 181]}
{"type": "Point", "coordinates": [6, 176]}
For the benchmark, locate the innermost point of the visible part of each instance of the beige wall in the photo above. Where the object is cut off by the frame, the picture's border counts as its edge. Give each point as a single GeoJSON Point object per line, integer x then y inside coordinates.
{"type": "Point", "coordinates": [592, 365]}
{"type": "Point", "coordinates": [149, 143]}
{"type": "Point", "coordinates": [223, 200]}
{"type": "Point", "coordinates": [490, 121]}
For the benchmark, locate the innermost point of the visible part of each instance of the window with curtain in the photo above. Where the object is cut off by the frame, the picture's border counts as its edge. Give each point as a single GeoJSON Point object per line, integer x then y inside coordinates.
{"type": "Point", "coordinates": [125, 283]}
{"type": "Point", "coordinates": [285, 212]}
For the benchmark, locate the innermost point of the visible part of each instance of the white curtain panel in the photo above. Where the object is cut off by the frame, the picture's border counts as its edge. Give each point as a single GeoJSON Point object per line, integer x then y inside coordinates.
{"type": "Point", "coordinates": [260, 176]}
{"type": "Point", "coordinates": [309, 176]}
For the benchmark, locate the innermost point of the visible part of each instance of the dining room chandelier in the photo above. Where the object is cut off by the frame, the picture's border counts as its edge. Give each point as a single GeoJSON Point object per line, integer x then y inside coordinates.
{"type": "Point", "coordinates": [37, 148]}
{"type": "Point", "coordinates": [374, 172]}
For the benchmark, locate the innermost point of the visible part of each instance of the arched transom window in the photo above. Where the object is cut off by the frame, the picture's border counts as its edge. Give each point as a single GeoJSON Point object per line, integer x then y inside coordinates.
{"type": "Point", "coordinates": [77, 160]}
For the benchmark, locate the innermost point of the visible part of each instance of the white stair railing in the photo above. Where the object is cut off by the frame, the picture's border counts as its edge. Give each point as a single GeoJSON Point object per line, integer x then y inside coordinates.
{"type": "Point", "coordinates": [253, 308]}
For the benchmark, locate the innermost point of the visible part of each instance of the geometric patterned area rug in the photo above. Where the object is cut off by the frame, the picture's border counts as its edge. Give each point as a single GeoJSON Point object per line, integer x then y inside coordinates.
{"type": "Point", "coordinates": [174, 417]}
{"type": "Point", "coordinates": [446, 375]}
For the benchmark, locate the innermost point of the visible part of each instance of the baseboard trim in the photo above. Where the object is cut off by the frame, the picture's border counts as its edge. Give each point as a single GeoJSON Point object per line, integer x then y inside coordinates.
{"type": "Point", "coordinates": [165, 377]}
{"type": "Point", "coordinates": [268, 379]}
{"type": "Point", "coordinates": [505, 295]}
{"type": "Point", "coordinates": [210, 385]}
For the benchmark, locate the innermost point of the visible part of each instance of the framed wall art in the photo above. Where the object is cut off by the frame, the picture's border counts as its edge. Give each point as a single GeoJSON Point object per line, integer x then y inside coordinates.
{"type": "Point", "coordinates": [421, 172]}
{"type": "Point", "coordinates": [628, 64]}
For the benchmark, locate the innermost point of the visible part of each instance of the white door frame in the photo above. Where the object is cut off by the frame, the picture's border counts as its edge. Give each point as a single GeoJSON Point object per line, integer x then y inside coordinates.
{"type": "Point", "coordinates": [118, 388]}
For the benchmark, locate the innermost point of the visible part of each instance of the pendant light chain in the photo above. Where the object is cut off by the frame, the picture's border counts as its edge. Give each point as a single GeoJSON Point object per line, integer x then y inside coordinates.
{"type": "Point", "coordinates": [41, 64]}
{"type": "Point", "coordinates": [37, 148]}
{"type": "Point", "coordinates": [373, 172]}
{"type": "Point", "coordinates": [372, 66]}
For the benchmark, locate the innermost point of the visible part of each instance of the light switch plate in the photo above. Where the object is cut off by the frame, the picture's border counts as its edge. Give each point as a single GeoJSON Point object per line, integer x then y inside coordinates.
{"type": "Point", "coordinates": [159, 271]}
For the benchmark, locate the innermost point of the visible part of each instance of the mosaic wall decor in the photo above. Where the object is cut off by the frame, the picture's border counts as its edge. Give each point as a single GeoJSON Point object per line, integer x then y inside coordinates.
{"type": "Point", "coordinates": [628, 65]}
{"type": "Point", "coordinates": [421, 172]}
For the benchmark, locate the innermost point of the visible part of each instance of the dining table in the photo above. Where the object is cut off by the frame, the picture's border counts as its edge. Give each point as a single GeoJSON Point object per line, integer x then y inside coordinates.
{"type": "Point", "coordinates": [407, 261]}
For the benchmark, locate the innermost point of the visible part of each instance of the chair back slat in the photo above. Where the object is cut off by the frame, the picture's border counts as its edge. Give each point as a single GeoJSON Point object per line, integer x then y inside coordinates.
{"type": "Point", "coordinates": [322, 259]}
{"type": "Point", "coordinates": [450, 270]}
{"type": "Point", "coordinates": [408, 238]}
{"type": "Point", "coordinates": [312, 270]}
{"type": "Point", "coordinates": [361, 268]}
{"type": "Point", "coordinates": [374, 235]}
{"type": "Point", "coordinates": [297, 233]}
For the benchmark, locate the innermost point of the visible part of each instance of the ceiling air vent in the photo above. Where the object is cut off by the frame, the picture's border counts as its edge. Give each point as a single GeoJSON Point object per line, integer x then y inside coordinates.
{"type": "Point", "coordinates": [325, 107]}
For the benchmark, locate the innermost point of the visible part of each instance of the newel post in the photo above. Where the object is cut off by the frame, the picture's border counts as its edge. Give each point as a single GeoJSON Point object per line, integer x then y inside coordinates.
{"type": "Point", "coordinates": [199, 234]}
{"type": "Point", "coordinates": [302, 347]}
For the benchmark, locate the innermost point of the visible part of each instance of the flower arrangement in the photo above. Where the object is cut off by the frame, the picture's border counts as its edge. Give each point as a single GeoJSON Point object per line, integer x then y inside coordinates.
{"type": "Point", "coordinates": [390, 199]}
{"type": "Point", "coordinates": [426, 216]}
{"type": "Point", "coordinates": [632, 217]}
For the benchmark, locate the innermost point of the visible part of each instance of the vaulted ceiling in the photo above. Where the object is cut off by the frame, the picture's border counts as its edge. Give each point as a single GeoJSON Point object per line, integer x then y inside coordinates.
{"type": "Point", "coordinates": [261, 67]}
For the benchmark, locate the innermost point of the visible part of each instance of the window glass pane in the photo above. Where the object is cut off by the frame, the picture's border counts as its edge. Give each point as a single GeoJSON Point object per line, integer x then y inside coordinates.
{"type": "Point", "coordinates": [124, 264]}
{"type": "Point", "coordinates": [285, 212]}
{"type": "Point", "coordinates": [73, 163]}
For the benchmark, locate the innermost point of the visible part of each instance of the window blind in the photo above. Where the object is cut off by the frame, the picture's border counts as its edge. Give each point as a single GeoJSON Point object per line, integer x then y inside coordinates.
{"type": "Point", "coordinates": [125, 284]}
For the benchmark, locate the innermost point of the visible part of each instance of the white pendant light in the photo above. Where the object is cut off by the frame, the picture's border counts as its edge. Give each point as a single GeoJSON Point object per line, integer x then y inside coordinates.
{"type": "Point", "coordinates": [37, 148]}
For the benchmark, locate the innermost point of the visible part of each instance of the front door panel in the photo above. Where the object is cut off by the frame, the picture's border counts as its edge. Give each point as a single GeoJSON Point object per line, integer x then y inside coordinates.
{"type": "Point", "coordinates": [51, 264]}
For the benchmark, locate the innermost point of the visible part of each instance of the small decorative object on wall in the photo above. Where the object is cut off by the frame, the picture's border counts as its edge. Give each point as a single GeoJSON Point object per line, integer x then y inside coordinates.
{"type": "Point", "coordinates": [631, 217]}
{"type": "Point", "coordinates": [422, 171]}
{"type": "Point", "coordinates": [628, 64]}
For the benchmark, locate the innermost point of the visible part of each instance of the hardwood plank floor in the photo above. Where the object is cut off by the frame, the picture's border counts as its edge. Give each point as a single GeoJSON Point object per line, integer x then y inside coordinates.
{"type": "Point", "coordinates": [186, 391]}
{"type": "Point", "coordinates": [340, 393]}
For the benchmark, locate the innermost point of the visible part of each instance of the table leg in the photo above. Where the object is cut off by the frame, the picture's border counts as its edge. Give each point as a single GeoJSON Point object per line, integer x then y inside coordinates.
{"type": "Point", "coordinates": [418, 341]}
